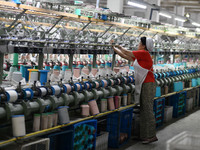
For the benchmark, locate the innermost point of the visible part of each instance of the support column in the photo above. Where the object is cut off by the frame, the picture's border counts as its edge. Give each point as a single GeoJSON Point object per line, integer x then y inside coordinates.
{"type": "Point", "coordinates": [179, 10]}
{"type": "Point", "coordinates": [155, 14]}
{"type": "Point", "coordinates": [115, 5]}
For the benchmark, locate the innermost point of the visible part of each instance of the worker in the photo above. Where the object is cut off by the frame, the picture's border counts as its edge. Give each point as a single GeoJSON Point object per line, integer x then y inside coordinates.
{"type": "Point", "coordinates": [145, 86]}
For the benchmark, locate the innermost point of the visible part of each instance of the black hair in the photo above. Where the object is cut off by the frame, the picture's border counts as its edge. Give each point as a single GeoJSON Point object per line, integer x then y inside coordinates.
{"type": "Point", "coordinates": [143, 40]}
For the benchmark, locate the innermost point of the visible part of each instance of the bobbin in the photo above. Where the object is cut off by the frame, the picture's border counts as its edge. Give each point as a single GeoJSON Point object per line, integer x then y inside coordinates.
{"type": "Point", "coordinates": [67, 88]}
{"type": "Point", "coordinates": [28, 93]}
{"type": "Point", "coordinates": [12, 96]}
{"type": "Point", "coordinates": [87, 85]}
{"type": "Point", "coordinates": [56, 90]}
{"type": "Point", "coordinates": [78, 87]}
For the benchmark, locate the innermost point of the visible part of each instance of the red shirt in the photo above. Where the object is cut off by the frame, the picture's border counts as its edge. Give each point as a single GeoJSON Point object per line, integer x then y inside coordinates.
{"type": "Point", "coordinates": [144, 59]}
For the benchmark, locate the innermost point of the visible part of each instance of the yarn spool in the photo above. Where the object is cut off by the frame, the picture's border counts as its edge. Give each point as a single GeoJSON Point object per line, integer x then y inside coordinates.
{"type": "Point", "coordinates": [36, 122]}
{"type": "Point", "coordinates": [12, 96]}
{"type": "Point", "coordinates": [56, 90]}
{"type": "Point", "coordinates": [86, 71]}
{"type": "Point", "coordinates": [104, 83]}
{"type": "Point", "coordinates": [55, 119]}
{"type": "Point", "coordinates": [43, 76]}
{"type": "Point", "coordinates": [85, 110]}
{"type": "Point", "coordinates": [50, 120]}
{"type": "Point", "coordinates": [112, 82]}
{"type": "Point", "coordinates": [117, 101]}
{"type": "Point", "coordinates": [44, 121]}
{"type": "Point", "coordinates": [68, 88]}
{"type": "Point", "coordinates": [96, 83]}
{"type": "Point", "coordinates": [76, 72]}
{"type": "Point", "coordinates": [116, 70]}
{"type": "Point", "coordinates": [125, 80]}
{"type": "Point", "coordinates": [104, 105]}
{"type": "Point", "coordinates": [33, 77]}
{"type": "Point", "coordinates": [111, 105]}
{"type": "Point", "coordinates": [93, 107]}
{"type": "Point", "coordinates": [43, 91]}
{"type": "Point", "coordinates": [17, 76]}
{"type": "Point", "coordinates": [30, 71]}
{"type": "Point", "coordinates": [120, 101]}
{"type": "Point", "coordinates": [56, 73]}
{"type": "Point", "coordinates": [131, 79]}
{"type": "Point", "coordinates": [63, 114]}
{"type": "Point", "coordinates": [78, 87]}
{"type": "Point", "coordinates": [166, 90]}
{"type": "Point", "coordinates": [129, 98]}
{"type": "Point", "coordinates": [119, 81]}
{"type": "Point", "coordinates": [18, 125]}
{"type": "Point", "coordinates": [94, 71]}
{"type": "Point", "coordinates": [124, 100]}
{"type": "Point", "coordinates": [87, 85]}
{"type": "Point", "coordinates": [127, 68]}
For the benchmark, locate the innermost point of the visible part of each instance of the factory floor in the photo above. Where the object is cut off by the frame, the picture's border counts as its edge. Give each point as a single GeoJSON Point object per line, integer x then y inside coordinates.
{"type": "Point", "coordinates": [190, 122]}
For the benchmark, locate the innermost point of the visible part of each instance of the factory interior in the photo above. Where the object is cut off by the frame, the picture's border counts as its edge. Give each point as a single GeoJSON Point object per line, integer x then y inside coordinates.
{"type": "Point", "coordinates": [99, 75]}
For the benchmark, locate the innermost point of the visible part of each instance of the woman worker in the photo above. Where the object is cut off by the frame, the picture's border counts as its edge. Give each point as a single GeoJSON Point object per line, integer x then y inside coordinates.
{"type": "Point", "coordinates": [144, 86]}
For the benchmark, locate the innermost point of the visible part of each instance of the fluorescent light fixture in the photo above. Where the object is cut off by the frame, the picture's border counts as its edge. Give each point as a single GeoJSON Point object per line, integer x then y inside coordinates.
{"type": "Point", "coordinates": [179, 19]}
{"type": "Point", "coordinates": [165, 15]}
{"type": "Point", "coordinates": [137, 5]}
{"type": "Point", "coordinates": [196, 24]}
{"type": "Point", "coordinates": [78, 2]}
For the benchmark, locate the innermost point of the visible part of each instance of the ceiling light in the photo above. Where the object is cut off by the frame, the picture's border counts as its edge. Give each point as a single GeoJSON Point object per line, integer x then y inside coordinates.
{"type": "Point", "coordinates": [196, 24]}
{"type": "Point", "coordinates": [137, 5]}
{"type": "Point", "coordinates": [165, 15]}
{"type": "Point", "coordinates": [179, 19]}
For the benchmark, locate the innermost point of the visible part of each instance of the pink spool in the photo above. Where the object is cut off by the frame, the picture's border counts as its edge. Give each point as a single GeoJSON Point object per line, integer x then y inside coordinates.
{"type": "Point", "coordinates": [85, 110]}
{"type": "Point", "coordinates": [120, 100]}
{"type": "Point", "coordinates": [112, 82]}
{"type": "Point", "coordinates": [86, 71]}
{"type": "Point", "coordinates": [87, 85]}
{"type": "Point", "coordinates": [76, 72]}
{"type": "Point", "coordinates": [69, 88]}
{"type": "Point", "coordinates": [116, 102]}
{"type": "Point", "coordinates": [97, 84]}
{"type": "Point", "coordinates": [119, 81]}
{"type": "Point", "coordinates": [93, 107]}
{"type": "Point", "coordinates": [111, 105]}
{"type": "Point", "coordinates": [104, 105]}
{"type": "Point", "coordinates": [94, 71]}
{"type": "Point", "coordinates": [104, 83]}
{"type": "Point", "coordinates": [129, 98]}
{"type": "Point", "coordinates": [116, 70]}
{"type": "Point", "coordinates": [56, 72]}
{"type": "Point", "coordinates": [78, 87]}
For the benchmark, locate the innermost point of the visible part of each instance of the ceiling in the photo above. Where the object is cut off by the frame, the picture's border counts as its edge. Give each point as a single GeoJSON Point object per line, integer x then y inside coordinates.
{"type": "Point", "coordinates": [191, 6]}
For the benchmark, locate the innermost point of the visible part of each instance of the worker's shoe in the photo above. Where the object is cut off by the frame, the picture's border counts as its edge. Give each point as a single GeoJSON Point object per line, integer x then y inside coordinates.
{"type": "Point", "coordinates": [151, 140]}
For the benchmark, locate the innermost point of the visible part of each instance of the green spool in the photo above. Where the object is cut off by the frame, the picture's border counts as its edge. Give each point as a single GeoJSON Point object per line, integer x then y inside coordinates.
{"type": "Point", "coordinates": [15, 59]}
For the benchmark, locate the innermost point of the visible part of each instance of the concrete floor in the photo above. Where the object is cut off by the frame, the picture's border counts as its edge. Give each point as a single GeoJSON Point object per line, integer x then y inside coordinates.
{"type": "Point", "coordinates": [188, 123]}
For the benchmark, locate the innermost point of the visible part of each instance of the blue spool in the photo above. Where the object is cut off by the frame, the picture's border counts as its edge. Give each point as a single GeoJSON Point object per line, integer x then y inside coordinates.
{"type": "Point", "coordinates": [76, 87]}
{"type": "Point", "coordinates": [47, 68]}
{"type": "Point", "coordinates": [17, 2]}
{"type": "Point", "coordinates": [26, 72]}
{"type": "Point", "coordinates": [43, 76]}
{"type": "Point", "coordinates": [56, 67]}
{"type": "Point", "coordinates": [80, 66]}
{"type": "Point", "coordinates": [22, 70]}
{"type": "Point", "coordinates": [104, 17]}
{"type": "Point", "coordinates": [64, 68]}
{"type": "Point", "coordinates": [103, 65]}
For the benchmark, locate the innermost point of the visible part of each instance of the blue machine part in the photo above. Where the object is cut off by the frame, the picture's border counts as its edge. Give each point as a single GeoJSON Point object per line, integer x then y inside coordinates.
{"type": "Point", "coordinates": [28, 93]}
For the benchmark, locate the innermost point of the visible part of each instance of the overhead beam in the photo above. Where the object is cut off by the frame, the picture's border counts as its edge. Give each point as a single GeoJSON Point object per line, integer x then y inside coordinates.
{"type": "Point", "coordinates": [179, 4]}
